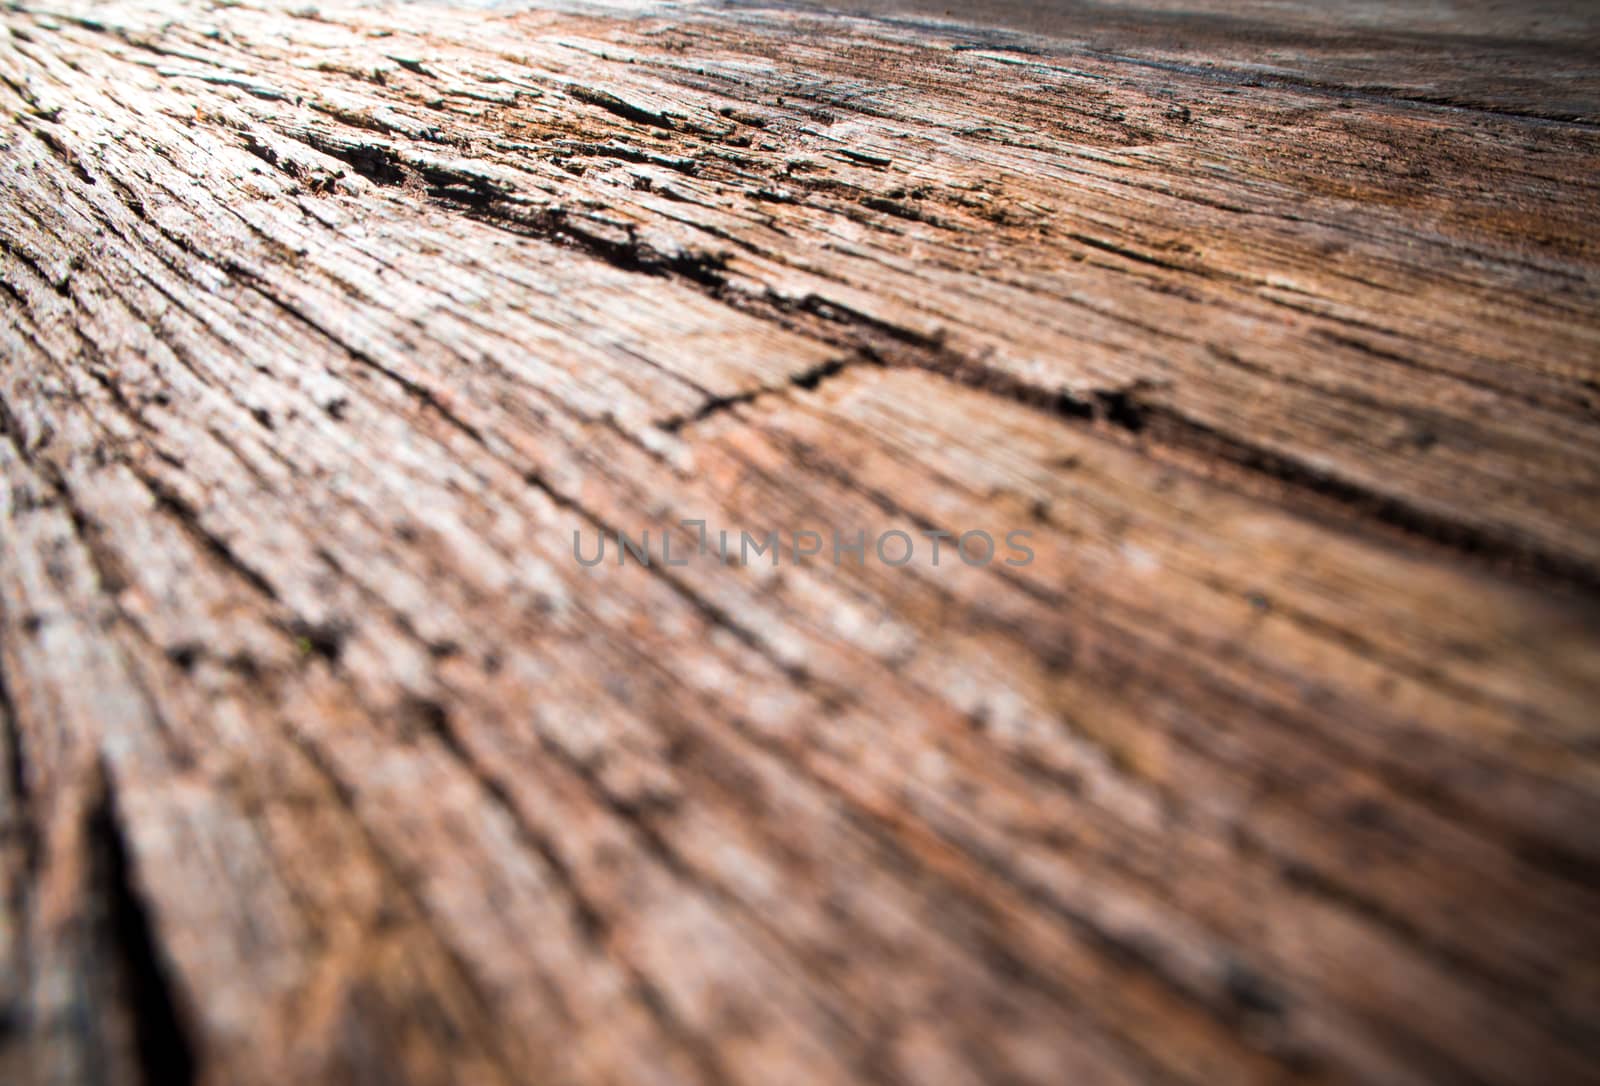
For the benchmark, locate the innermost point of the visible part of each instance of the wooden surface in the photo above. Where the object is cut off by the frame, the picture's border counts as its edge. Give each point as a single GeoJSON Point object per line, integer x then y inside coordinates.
{"type": "Point", "coordinates": [326, 327]}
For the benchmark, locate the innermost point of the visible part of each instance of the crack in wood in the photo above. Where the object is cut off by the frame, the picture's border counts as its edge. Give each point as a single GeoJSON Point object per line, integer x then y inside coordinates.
{"type": "Point", "coordinates": [165, 1051]}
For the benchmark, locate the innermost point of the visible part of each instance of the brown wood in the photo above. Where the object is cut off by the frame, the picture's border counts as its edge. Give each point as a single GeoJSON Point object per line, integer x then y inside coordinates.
{"type": "Point", "coordinates": [326, 327]}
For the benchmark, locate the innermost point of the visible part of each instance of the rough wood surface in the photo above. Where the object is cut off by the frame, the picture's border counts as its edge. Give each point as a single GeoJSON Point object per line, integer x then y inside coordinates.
{"type": "Point", "coordinates": [326, 327]}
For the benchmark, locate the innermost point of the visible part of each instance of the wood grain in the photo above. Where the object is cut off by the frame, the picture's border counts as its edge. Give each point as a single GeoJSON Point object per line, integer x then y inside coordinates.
{"type": "Point", "coordinates": [326, 329]}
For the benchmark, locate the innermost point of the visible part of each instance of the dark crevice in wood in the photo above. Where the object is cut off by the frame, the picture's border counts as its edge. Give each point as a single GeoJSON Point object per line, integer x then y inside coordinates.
{"type": "Point", "coordinates": [555, 224]}
{"type": "Point", "coordinates": [19, 788]}
{"type": "Point", "coordinates": [807, 380]}
{"type": "Point", "coordinates": [1360, 506]}
{"type": "Point", "coordinates": [375, 162]}
{"type": "Point", "coordinates": [162, 1039]}
{"type": "Point", "coordinates": [626, 110]}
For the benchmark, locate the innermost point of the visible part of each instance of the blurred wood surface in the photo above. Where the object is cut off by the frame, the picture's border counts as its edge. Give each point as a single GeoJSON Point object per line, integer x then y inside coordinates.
{"type": "Point", "coordinates": [324, 327]}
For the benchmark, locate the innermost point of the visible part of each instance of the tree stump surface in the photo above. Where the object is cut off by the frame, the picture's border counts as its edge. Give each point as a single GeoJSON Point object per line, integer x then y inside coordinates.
{"type": "Point", "coordinates": [326, 327]}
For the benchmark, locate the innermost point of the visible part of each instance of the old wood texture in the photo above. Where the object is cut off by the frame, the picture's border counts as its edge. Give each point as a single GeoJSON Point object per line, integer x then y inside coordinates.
{"type": "Point", "coordinates": [325, 327]}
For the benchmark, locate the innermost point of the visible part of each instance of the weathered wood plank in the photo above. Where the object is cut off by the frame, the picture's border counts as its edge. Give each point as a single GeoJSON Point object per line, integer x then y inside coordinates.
{"type": "Point", "coordinates": [326, 330]}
